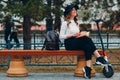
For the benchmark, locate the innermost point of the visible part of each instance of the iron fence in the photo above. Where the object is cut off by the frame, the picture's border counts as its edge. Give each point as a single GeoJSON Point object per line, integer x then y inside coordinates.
{"type": "Point", "coordinates": [109, 40]}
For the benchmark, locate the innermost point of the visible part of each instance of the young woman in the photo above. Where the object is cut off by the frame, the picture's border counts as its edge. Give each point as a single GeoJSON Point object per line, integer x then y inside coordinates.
{"type": "Point", "coordinates": [70, 32]}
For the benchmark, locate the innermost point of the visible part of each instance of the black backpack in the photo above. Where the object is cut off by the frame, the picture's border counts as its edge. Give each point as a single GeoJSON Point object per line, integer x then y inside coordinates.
{"type": "Point", "coordinates": [51, 41]}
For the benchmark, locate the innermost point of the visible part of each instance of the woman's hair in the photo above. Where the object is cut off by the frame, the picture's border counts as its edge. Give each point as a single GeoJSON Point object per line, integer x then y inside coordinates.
{"type": "Point", "coordinates": [67, 18]}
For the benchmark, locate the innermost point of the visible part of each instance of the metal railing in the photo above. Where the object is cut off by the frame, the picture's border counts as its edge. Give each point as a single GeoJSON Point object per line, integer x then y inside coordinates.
{"type": "Point", "coordinates": [109, 40]}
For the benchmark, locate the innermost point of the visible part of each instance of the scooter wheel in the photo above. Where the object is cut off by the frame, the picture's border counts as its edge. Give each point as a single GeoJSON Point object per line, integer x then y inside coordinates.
{"type": "Point", "coordinates": [108, 73]}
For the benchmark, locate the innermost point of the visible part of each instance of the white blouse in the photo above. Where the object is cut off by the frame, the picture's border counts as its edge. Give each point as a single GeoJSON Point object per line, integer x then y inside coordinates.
{"type": "Point", "coordinates": [65, 30]}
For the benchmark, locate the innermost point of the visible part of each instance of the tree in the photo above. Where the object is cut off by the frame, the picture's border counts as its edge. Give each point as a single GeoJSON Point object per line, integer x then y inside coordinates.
{"type": "Point", "coordinates": [32, 11]}
{"type": "Point", "coordinates": [53, 9]}
{"type": "Point", "coordinates": [29, 10]}
{"type": "Point", "coordinates": [99, 8]}
{"type": "Point", "coordinates": [58, 12]}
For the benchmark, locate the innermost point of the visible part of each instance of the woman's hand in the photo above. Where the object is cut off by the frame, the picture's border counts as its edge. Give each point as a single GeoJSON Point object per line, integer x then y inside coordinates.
{"type": "Point", "coordinates": [73, 35]}
{"type": "Point", "coordinates": [76, 34]}
{"type": "Point", "coordinates": [83, 33]}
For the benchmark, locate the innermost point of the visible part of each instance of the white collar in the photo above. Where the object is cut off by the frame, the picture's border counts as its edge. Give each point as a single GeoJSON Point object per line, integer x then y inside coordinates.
{"type": "Point", "coordinates": [72, 21]}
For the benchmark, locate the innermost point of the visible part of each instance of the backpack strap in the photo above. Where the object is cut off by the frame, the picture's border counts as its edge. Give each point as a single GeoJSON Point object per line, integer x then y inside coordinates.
{"type": "Point", "coordinates": [61, 44]}
{"type": "Point", "coordinates": [43, 47]}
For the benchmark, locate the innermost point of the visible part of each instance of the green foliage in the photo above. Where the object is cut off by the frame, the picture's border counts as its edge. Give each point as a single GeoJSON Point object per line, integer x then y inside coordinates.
{"type": "Point", "coordinates": [57, 11]}
{"type": "Point", "coordinates": [84, 14]}
{"type": "Point", "coordinates": [1, 6]}
{"type": "Point", "coordinates": [36, 9]}
{"type": "Point", "coordinates": [1, 15]}
{"type": "Point", "coordinates": [33, 8]}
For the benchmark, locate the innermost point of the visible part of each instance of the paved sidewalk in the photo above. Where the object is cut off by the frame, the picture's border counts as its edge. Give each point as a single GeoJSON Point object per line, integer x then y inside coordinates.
{"type": "Point", "coordinates": [57, 76]}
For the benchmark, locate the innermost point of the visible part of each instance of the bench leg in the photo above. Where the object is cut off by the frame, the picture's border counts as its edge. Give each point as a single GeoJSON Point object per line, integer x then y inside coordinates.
{"type": "Point", "coordinates": [17, 67]}
{"type": "Point", "coordinates": [80, 64]}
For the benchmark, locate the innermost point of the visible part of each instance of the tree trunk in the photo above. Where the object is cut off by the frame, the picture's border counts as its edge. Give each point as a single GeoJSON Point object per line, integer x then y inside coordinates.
{"type": "Point", "coordinates": [57, 23]}
{"type": "Point", "coordinates": [27, 32]}
{"type": "Point", "coordinates": [49, 20]}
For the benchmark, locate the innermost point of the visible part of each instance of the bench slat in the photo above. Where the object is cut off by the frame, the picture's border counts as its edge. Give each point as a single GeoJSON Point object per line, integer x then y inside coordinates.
{"type": "Point", "coordinates": [41, 53]}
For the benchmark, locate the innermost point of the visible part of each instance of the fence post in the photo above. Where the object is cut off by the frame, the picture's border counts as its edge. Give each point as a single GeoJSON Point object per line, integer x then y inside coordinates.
{"type": "Point", "coordinates": [34, 40]}
{"type": "Point", "coordinates": [107, 40]}
{"type": "Point", "coordinates": [9, 47]}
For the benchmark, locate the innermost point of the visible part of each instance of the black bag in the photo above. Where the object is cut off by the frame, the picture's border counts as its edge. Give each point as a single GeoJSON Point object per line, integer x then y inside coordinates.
{"type": "Point", "coordinates": [51, 41]}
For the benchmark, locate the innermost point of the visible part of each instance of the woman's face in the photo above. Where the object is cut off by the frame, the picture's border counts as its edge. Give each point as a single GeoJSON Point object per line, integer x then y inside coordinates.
{"type": "Point", "coordinates": [73, 12]}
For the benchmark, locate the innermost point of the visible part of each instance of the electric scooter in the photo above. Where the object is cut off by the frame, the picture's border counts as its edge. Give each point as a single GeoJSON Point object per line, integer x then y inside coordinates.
{"type": "Point", "coordinates": [108, 70]}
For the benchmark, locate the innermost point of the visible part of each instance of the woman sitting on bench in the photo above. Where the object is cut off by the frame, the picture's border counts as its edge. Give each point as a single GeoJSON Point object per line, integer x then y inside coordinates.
{"type": "Point", "coordinates": [74, 40]}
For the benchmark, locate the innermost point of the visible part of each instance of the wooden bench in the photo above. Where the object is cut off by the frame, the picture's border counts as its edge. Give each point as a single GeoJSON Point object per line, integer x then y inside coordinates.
{"type": "Point", "coordinates": [17, 66]}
